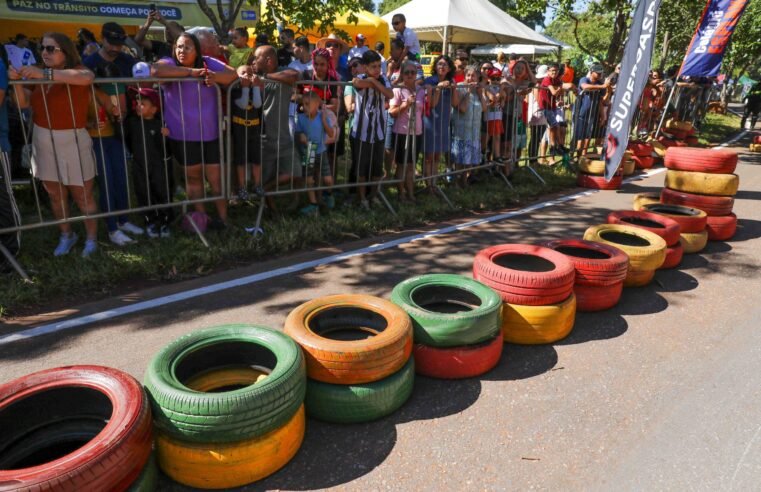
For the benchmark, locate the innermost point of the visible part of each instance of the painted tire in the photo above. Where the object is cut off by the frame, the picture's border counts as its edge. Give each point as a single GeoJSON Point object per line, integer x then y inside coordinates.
{"type": "Point", "coordinates": [242, 413]}
{"type": "Point", "coordinates": [525, 274]}
{"type": "Point", "coordinates": [435, 306]}
{"type": "Point", "coordinates": [591, 298]}
{"type": "Point", "coordinates": [640, 148]}
{"type": "Point", "coordinates": [591, 165]}
{"type": "Point", "coordinates": [673, 256]}
{"type": "Point", "coordinates": [716, 161]}
{"type": "Point", "coordinates": [598, 182]}
{"type": "Point", "coordinates": [642, 199]}
{"type": "Point", "coordinates": [659, 150]}
{"type": "Point", "coordinates": [644, 161]}
{"type": "Point", "coordinates": [105, 408]}
{"type": "Point", "coordinates": [667, 142]}
{"type": "Point", "coordinates": [647, 253]}
{"type": "Point", "coordinates": [682, 126]}
{"type": "Point", "coordinates": [711, 205]}
{"type": "Point", "coordinates": [757, 139]}
{"type": "Point", "coordinates": [664, 227]}
{"type": "Point", "coordinates": [629, 166]}
{"type": "Point", "coordinates": [692, 141]}
{"type": "Point", "coordinates": [639, 279]}
{"type": "Point", "coordinates": [226, 465]}
{"type": "Point", "coordinates": [149, 478]}
{"type": "Point", "coordinates": [755, 147]}
{"type": "Point", "coordinates": [702, 183]}
{"type": "Point", "coordinates": [462, 362]}
{"type": "Point", "coordinates": [531, 325]}
{"type": "Point", "coordinates": [689, 219]}
{"type": "Point", "coordinates": [353, 361]}
{"type": "Point", "coordinates": [694, 242]}
{"type": "Point", "coordinates": [721, 228]}
{"type": "Point", "coordinates": [676, 134]}
{"type": "Point", "coordinates": [596, 264]}
{"type": "Point", "coordinates": [355, 403]}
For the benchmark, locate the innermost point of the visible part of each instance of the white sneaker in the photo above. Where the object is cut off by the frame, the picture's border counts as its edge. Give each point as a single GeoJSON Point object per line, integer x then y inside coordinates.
{"type": "Point", "coordinates": [119, 238]}
{"type": "Point", "coordinates": [152, 231]}
{"type": "Point", "coordinates": [131, 228]}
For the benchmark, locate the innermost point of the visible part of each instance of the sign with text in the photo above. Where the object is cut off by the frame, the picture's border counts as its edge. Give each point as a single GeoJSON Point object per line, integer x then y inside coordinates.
{"type": "Point", "coordinates": [93, 9]}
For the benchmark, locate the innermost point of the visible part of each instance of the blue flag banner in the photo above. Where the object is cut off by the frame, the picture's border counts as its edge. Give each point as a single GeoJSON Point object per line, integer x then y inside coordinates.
{"type": "Point", "coordinates": [635, 69]}
{"type": "Point", "coordinates": [706, 51]}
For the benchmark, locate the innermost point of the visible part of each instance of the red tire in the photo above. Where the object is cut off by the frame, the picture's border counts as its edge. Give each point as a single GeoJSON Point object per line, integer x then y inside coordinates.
{"type": "Point", "coordinates": [721, 228]}
{"type": "Point", "coordinates": [674, 256]}
{"type": "Point", "coordinates": [466, 361]}
{"type": "Point", "coordinates": [692, 141]}
{"type": "Point", "coordinates": [677, 134]}
{"type": "Point", "coordinates": [667, 142]}
{"type": "Point", "coordinates": [598, 182]}
{"type": "Point", "coordinates": [640, 148]}
{"type": "Point", "coordinates": [591, 298]}
{"type": "Point", "coordinates": [644, 161]}
{"type": "Point", "coordinates": [596, 264]}
{"type": "Point", "coordinates": [701, 160]}
{"type": "Point", "coordinates": [711, 205]}
{"type": "Point", "coordinates": [690, 220]}
{"type": "Point", "coordinates": [525, 274]}
{"type": "Point", "coordinates": [48, 407]}
{"type": "Point", "coordinates": [757, 139]}
{"type": "Point", "coordinates": [666, 228]}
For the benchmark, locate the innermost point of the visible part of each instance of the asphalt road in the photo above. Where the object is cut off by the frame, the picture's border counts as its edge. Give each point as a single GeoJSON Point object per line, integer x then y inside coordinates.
{"type": "Point", "coordinates": [661, 392]}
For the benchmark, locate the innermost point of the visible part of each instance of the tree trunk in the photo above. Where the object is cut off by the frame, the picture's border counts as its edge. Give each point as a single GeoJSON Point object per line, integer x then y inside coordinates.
{"type": "Point", "coordinates": [617, 40]}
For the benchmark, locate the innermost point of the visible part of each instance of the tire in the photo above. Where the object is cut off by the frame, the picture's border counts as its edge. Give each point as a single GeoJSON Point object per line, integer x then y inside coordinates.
{"type": "Point", "coordinates": [701, 160]}
{"type": "Point", "coordinates": [689, 219]}
{"type": "Point", "coordinates": [640, 148]}
{"type": "Point", "coordinates": [435, 306]}
{"type": "Point", "coordinates": [673, 256]}
{"type": "Point", "coordinates": [659, 149]}
{"type": "Point", "coordinates": [642, 199]}
{"type": "Point", "coordinates": [683, 126]}
{"type": "Point", "coordinates": [639, 279]}
{"type": "Point", "coordinates": [592, 298]}
{"type": "Point", "coordinates": [598, 182]}
{"type": "Point", "coordinates": [702, 183]}
{"type": "Point", "coordinates": [721, 228]}
{"type": "Point", "coordinates": [226, 465]}
{"type": "Point", "coordinates": [355, 361]}
{"type": "Point", "coordinates": [757, 139]}
{"type": "Point", "coordinates": [235, 415]}
{"type": "Point", "coordinates": [692, 141]}
{"type": "Point", "coordinates": [458, 362]}
{"type": "Point", "coordinates": [667, 142]}
{"type": "Point", "coordinates": [596, 264]}
{"type": "Point", "coordinates": [507, 268]}
{"type": "Point", "coordinates": [643, 161]}
{"type": "Point", "coordinates": [629, 166]}
{"type": "Point", "coordinates": [355, 403]}
{"type": "Point", "coordinates": [647, 254]}
{"type": "Point", "coordinates": [664, 227]}
{"type": "Point", "coordinates": [531, 325]}
{"type": "Point", "coordinates": [755, 147]}
{"type": "Point", "coordinates": [711, 205]}
{"type": "Point", "coordinates": [694, 242]}
{"type": "Point", "coordinates": [149, 478]}
{"type": "Point", "coordinates": [592, 166]}
{"type": "Point", "coordinates": [45, 414]}
{"type": "Point", "coordinates": [677, 134]}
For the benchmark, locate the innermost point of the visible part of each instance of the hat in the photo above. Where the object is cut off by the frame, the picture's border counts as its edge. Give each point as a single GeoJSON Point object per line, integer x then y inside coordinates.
{"type": "Point", "coordinates": [597, 68]}
{"type": "Point", "coordinates": [541, 71]}
{"type": "Point", "coordinates": [333, 38]}
{"type": "Point", "coordinates": [359, 36]}
{"type": "Point", "coordinates": [495, 72]}
{"type": "Point", "coordinates": [151, 94]}
{"type": "Point", "coordinates": [113, 33]}
{"type": "Point", "coordinates": [141, 70]}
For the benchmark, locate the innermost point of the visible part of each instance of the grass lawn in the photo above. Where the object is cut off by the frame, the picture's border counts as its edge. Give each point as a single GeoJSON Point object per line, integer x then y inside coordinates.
{"type": "Point", "coordinates": [718, 127]}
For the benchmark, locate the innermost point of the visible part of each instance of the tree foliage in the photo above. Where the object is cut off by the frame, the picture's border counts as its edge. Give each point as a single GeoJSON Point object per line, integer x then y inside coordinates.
{"type": "Point", "coordinates": [223, 19]}
{"type": "Point", "coordinates": [744, 52]}
{"type": "Point", "coordinates": [387, 6]}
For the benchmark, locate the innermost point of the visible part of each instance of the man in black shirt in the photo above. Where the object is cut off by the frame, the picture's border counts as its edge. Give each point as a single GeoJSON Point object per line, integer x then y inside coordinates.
{"type": "Point", "coordinates": [285, 53]}
{"type": "Point", "coordinates": [158, 49]}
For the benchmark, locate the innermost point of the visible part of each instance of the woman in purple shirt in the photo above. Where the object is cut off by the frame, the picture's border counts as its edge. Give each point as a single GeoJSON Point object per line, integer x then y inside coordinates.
{"type": "Point", "coordinates": [191, 113]}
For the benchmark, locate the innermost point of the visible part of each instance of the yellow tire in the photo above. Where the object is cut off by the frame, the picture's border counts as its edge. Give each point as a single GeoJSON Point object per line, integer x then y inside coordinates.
{"type": "Point", "coordinates": [693, 242]}
{"type": "Point", "coordinates": [646, 250]}
{"type": "Point", "coordinates": [629, 167]}
{"type": "Point", "coordinates": [658, 148]}
{"type": "Point", "coordinates": [531, 325]}
{"type": "Point", "coordinates": [702, 183]}
{"type": "Point", "coordinates": [221, 466]}
{"type": "Point", "coordinates": [639, 279]}
{"type": "Point", "coordinates": [642, 199]}
{"type": "Point", "coordinates": [592, 166]}
{"type": "Point", "coordinates": [679, 125]}
{"type": "Point", "coordinates": [755, 147]}
{"type": "Point", "coordinates": [222, 378]}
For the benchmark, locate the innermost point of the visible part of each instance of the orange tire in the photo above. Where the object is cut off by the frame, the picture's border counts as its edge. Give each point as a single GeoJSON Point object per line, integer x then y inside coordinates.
{"type": "Point", "coordinates": [639, 279]}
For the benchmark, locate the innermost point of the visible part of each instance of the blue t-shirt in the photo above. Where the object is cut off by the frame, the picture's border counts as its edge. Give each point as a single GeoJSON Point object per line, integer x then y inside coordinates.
{"type": "Point", "coordinates": [313, 129]}
{"type": "Point", "coordinates": [589, 99]}
{"type": "Point", "coordinates": [5, 144]}
{"type": "Point", "coordinates": [123, 62]}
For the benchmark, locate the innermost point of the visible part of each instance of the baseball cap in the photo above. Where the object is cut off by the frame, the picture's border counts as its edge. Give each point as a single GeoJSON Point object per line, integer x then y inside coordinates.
{"type": "Point", "coordinates": [541, 71]}
{"type": "Point", "coordinates": [113, 33]}
{"type": "Point", "coordinates": [141, 70]}
{"type": "Point", "coordinates": [150, 94]}
{"type": "Point", "coordinates": [360, 36]}
{"type": "Point", "coordinates": [597, 68]}
{"type": "Point", "coordinates": [495, 72]}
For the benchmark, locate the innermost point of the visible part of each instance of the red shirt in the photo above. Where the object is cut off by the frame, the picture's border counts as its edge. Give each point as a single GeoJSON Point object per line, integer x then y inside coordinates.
{"type": "Point", "coordinates": [546, 99]}
{"type": "Point", "coordinates": [459, 78]}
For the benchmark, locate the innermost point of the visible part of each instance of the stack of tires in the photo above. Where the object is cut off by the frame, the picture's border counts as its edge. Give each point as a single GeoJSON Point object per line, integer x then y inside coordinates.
{"type": "Point", "coordinates": [227, 405]}
{"type": "Point", "coordinates": [600, 272]}
{"type": "Point", "coordinates": [682, 133]}
{"type": "Point", "coordinates": [756, 145]}
{"type": "Point", "coordinates": [704, 179]}
{"type": "Point", "coordinates": [692, 224]}
{"type": "Point", "coordinates": [358, 354]}
{"type": "Point", "coordinates": [646, 198]}
{"type": "Point", "coordinates": [536, 287]}
{"type": "Point", "coordinates": [642, 154]}
{"type": "Point", "coordinates": [76, 428]}
{"type": "Point", "coordinates": [591, 174]}
{"type": "Point", "coordinates": [666, 228]}
{"type": "Point", "coordinates": [646, 250]}
{"type": "Point", "coordinates": [457, 324]}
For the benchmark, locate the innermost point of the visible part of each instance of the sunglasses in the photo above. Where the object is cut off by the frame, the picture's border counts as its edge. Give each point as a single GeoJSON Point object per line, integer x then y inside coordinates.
{"type": "Point", "coordinates": [50, 48]}
{"type": "Point", "coordinates": [409, 72]}
{"type": "Point", "coordinates": [395, 23]}
{"type": "Point", "coordinates": [332, 45]}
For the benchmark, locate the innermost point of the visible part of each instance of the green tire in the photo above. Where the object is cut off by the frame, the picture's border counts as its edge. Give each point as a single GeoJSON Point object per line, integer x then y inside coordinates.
{"type": "Point", "coordinates": [354, 403]}
{"type": "Point", "coordinates": [148, 481]}
{"type": "Point", "coordinates": [427, 298]}
{"type": "Point", "coordinates": [237, 414]}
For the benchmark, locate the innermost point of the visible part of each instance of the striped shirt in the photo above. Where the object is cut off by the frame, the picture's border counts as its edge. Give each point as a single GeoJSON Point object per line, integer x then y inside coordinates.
{"type": "Point", "coordinates": [369, 118]}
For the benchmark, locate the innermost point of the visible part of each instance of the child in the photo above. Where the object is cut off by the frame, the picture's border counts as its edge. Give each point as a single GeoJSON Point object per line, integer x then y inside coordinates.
{"type": "Point", "coordinates": [494, 127]}
{"type": "Point", "coordinates": [406, 138]}
{"type": "Point", "coordinates": [239, 53]}
{"type": "Point", "coordinates": [153, 175]}
{"type": "Point", "coordinates": [246, 135]}
{"type": "Point", "coordinates": [368, 131]}
{"type": "Point", "coordinates": [550, 90]}
{"type": "Point", "coordinates": [312, 127]}
{"type": "Point", "coordinates": [466, 142]}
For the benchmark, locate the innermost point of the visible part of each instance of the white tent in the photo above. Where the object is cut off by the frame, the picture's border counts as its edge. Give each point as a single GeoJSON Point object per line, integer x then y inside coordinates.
{"type": "Point", "coordinates": [518, 49]}
{"type": "Point", "coordinates": [465, 22]}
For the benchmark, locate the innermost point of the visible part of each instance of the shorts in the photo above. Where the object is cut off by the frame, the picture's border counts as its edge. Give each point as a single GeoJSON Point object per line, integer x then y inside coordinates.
{"type": "Point", "coordinates": [389, 125]}
{"type": "Point", "coordinates": [279, 158]}
{"type": "Point", "coordinates": [520, 136]}
{"type": "Point", "coordinates": [466, 152]}
{"type": "Point", "coordinates": [320, 161]}
{"type": "Point", "coordinates": [494, 127]}
{"type": "Point", "coordinates": [554, 117]}
{"type": "Point", "coordinates": [246, 144]}
{"type": "Point", "coordinates": [368, 157]}
{"type": "Point", "coordinates": [64, 156]}
{"type": "Point", "coordinates": [401, 153]}
{"type": "Point", "coordinates": [194, 153]}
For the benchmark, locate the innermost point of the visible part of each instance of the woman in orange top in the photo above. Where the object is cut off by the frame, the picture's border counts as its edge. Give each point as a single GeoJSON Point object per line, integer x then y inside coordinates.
{"type": "Point", "coordinates": [62, 155]}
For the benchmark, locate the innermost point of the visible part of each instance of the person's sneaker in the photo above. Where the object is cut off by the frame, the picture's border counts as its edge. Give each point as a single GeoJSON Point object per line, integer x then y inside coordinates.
{"type": "Point", "coordinates": [311, 209]}
{"type": "Point", "coordinates": [217, 224]}
{"type": "Point", "coordinates": [91, 246]}
{"type": "Point", "coordinates": [164, 232]}
{"type": "Point", "coordinates": [152, 231]}
{"type": "Point", "coordinates": [65, 243]}
{"type": "Point", "coordinates": [243, 195]}
{"type": "Point", "coordinates": [258, 191]}
{"type": "Point", "coordinates": [131, 228]}
{"type": "Point", "coordinates": [330, 201]}
{"type": "Point", "coordinates": [364, 204]}
{"type": "Point", "coordinates": [119, 238]}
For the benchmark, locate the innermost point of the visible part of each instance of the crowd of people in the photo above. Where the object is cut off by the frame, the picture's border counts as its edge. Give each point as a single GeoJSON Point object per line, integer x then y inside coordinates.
{"type": "Point", "coordinates": [292, 108]}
